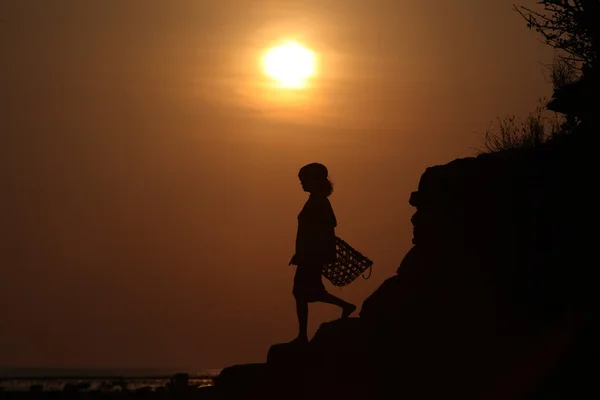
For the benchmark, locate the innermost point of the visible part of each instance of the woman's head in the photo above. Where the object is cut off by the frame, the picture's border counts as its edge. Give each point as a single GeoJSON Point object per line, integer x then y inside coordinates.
{"type": "Point", "coordinates": [314, 179]}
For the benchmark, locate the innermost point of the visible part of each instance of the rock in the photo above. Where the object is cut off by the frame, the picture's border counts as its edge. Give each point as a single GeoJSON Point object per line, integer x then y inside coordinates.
{"type": "Point", "coordinates": [180, 382]}
{"type": "Point", "coordinates": [338, 346]}
{"type": "Point", "coordinates": [36, 388]}
{"type": "Point", "coordinates": [289, 366]}
{"type": "Point", "coordinates": [496, 299]}
{"type": "Point", "coordinates": [500, 251]}
{"type": "Point", "coordinates": [288, 355]}
{"type": "Point", "coordinates": [263, 381]}
{"type": "Point", "coordinates": [209, 393]}
{"type": "Point", "coordinates": [247, 381]}
{"type": "Point", "coordinates": [243, 375]}
{"type": "Point", "coordinates": [344, 362]}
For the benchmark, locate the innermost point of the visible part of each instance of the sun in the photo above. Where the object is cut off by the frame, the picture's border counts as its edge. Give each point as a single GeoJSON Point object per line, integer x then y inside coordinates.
{"type": "Point", "coordinates": [290, 64]}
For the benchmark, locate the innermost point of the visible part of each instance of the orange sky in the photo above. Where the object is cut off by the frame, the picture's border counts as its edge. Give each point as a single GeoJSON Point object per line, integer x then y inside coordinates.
{"type": "Point", "coordinates": [150, 196]}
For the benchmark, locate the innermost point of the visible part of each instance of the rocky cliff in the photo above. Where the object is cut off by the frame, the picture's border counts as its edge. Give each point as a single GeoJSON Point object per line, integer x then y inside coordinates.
{"type": "Point", "coordinates": [496, 299]}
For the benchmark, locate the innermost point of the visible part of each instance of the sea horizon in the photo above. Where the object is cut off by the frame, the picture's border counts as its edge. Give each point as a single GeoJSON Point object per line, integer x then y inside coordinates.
{"type": "Point", "coordinates": [109, 372]}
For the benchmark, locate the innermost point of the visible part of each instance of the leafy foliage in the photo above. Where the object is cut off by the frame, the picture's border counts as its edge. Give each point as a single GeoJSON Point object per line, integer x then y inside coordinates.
{"type": "Point", "coordinates": [562, 73]}
{"type": "Point", "coordinates": [572, 26]}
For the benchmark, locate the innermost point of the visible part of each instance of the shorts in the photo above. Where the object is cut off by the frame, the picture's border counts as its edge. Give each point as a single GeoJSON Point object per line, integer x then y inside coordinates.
{"type": "Point", "coordinates": [308, 283]}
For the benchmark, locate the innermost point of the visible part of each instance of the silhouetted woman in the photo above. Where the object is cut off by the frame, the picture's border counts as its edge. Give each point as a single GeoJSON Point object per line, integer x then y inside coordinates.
{"type": "Point", "coordinates": [315, 246]}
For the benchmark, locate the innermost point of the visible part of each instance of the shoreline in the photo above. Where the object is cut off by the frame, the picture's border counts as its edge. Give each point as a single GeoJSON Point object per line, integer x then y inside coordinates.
{"type": "Point", "coordinates": [103, 384]}
{"type": "Point", "coordinates": [98, 378]}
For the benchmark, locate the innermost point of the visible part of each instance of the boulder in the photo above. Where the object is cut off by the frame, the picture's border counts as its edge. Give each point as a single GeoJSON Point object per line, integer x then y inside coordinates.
{"type": "Point", "coordinates": [245, 380]}
{"type": "Point", "coordinates": [496, 299]}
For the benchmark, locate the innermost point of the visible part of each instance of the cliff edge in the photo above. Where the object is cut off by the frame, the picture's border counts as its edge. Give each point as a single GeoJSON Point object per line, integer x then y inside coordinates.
{"type": "Point", "coordinates": [495, 300]}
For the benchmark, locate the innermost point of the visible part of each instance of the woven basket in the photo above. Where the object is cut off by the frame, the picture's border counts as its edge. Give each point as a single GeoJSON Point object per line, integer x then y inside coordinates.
{"type": "Point", "coordinates": [349, 264]}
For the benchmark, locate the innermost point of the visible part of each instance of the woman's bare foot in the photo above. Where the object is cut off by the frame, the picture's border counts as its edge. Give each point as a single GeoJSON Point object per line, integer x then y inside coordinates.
{"type": "Point", "coordinates": [302, 340]}
{"type": "Point", "coordinates": [347, 310]}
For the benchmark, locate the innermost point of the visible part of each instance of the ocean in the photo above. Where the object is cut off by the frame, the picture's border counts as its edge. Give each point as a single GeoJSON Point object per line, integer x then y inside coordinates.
{"type": "Point", "coordinates": [24, 379]}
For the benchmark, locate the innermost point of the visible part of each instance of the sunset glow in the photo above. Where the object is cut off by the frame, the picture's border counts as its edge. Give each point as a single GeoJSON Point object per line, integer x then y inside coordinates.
{"type": "Point", "coordinates": [290, 64]}
{"type": "Point", "coordinates": [151, 150]}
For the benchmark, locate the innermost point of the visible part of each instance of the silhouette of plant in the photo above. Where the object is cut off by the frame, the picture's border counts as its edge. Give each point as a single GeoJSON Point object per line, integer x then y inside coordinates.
{"type": "Point", "coordinates": [562, 73]}
{"type": "Point", "coordinates": [515, 133]}
{"type": "Point", "coordinates": [571, 26]}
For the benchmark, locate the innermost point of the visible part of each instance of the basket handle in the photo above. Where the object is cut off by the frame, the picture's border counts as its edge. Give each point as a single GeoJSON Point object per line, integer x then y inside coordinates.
{"type": "Point", "coordinates": [370, 270]}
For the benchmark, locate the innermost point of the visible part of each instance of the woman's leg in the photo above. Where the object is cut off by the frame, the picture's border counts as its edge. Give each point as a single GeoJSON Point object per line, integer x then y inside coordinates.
{"type": "Point", "coordinates": [347, 308]}
{"type": "Point", "coordinates": [302, 311]}
{"type": "Point", "coordinates": [301, 284]}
